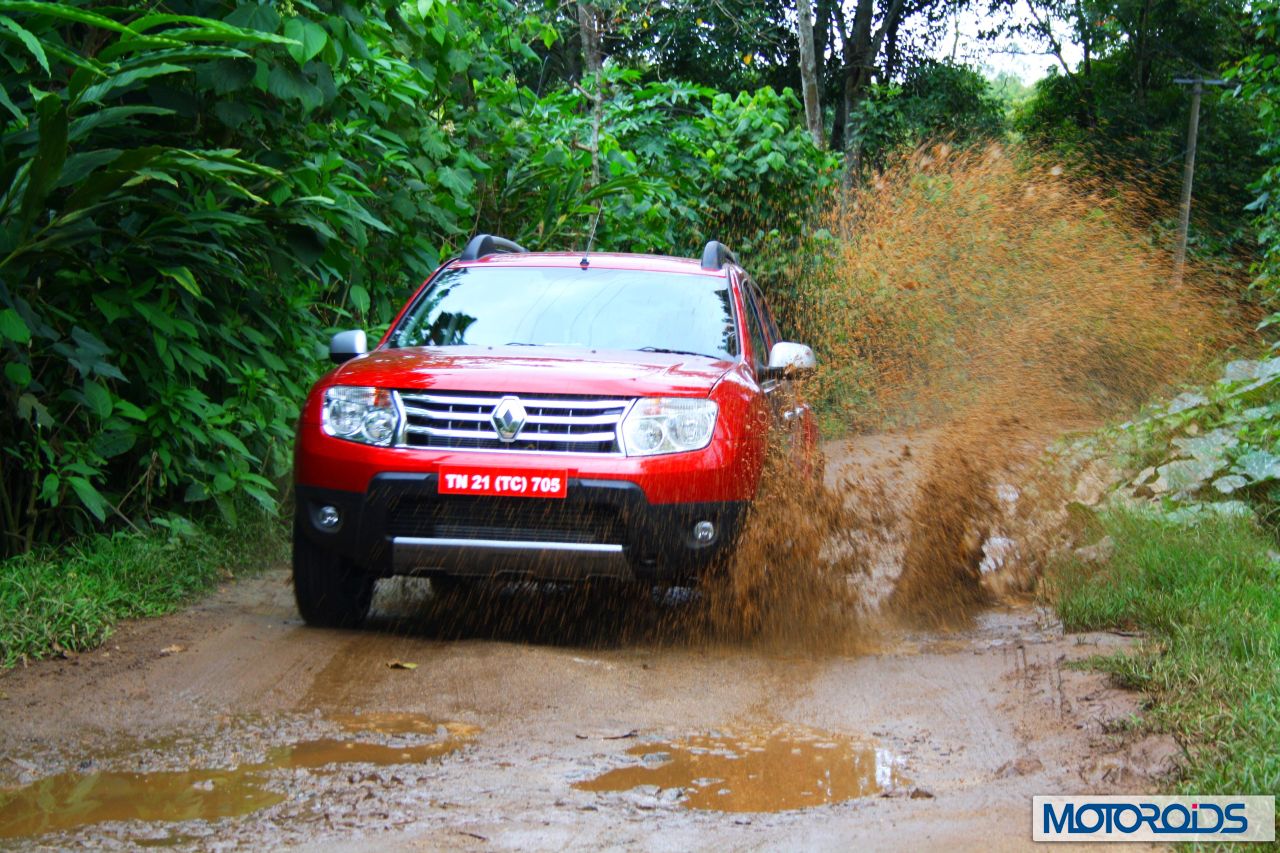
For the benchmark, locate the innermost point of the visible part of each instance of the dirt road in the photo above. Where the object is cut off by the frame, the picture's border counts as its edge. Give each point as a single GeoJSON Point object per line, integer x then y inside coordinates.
{"type": "Point", "coordinates": [233, 726]}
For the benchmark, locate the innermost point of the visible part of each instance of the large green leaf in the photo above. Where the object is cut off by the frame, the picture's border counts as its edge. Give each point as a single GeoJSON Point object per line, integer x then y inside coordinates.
{"type": "Point", "coordinates": [110, 117]}
{"type": "Point", "coordinates": [79, 166]}
{"type": "Point", "coordinates": [64, 11]}
{"type": "Point", "coordinates": [98, 398]}
{"type": "Point", "coordinates": [18, 373]}
{"type": "Point", "coordinates": [90, 497]}
{"type": "Point", "coordinates": [289, 84]}
{"type": "Point", "coordinates": [211, 29]}
{"type": "Point", "coordinates": [187, 54]}
{"type": "Point", "coordinates": [51, 152]}
{"type": "Point", "coordinates": [183, 277]}
{"type": "Point", "coordinates": [13, 328]}
{"type": "Point", "coordinates": [115, 82]}
{"type": "Point", "coordinates": [9, 105]}
{"type": "Point", "coordinates": [1258, 465]}
{"type": "Point", "coordinates": [255, 16]}
{"type": "Point", "coordinates": [28, 39]}
{"type": "Point", "coordinates": [310, 37]}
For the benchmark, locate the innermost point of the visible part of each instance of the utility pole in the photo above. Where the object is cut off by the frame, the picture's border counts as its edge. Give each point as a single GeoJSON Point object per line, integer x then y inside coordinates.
{"type": "Point", "coordinates": [1197, 85]}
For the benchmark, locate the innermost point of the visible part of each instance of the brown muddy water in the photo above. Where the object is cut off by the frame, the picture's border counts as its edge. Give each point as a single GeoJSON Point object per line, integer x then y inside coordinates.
{"type": "Point", "coordinates": [74, 799]}
{"type": "Point", "coordinates": [769, 771]}
{"type": "Point", "coordinates": [814, 750]}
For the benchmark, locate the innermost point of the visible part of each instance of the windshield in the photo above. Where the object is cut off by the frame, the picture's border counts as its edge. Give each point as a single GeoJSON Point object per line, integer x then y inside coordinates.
{"type": "Point", "coordinates": [592, 308]}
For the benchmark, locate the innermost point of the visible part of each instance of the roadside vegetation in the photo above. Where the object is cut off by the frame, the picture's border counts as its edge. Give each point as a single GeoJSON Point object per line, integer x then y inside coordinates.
{"type": "Point", "coordinates": [1190, 529]}
{"type": "Point", "coordinates": [56, 601]}
{"type": "Point", "coordinates": [1204, 597]}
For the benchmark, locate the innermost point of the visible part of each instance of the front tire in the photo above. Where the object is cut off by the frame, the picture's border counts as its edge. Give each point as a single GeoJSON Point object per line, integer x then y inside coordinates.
{"type": "Point", "coordinates": [331, 591]}
{"type": "Point", "coordinates": [452, 586]}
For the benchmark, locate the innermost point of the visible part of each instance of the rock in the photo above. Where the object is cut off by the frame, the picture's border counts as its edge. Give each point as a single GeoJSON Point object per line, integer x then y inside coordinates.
{"type": "Point", "coordinates": [1093, 483]}
{"type": "Point", "coordinates": [1141, 483]}
{"type": "Point", "coordinates": [1185, 475]}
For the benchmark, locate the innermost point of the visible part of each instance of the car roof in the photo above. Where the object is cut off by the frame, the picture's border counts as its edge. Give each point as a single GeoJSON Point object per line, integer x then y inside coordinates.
{"type": "Point", "coordinates": [599, 260]}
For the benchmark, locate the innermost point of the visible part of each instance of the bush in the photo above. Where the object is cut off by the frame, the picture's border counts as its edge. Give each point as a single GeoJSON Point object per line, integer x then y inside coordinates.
{"type": "Point", "coordinates": [1205, 594]}
{"type": "Point", "coordinates": [1258, 76]}
{"type": "Point", "coordinates": [191, 201]}
{"type": "Point", "coordinates": [68, 599]}
{"type": "Point", "coordinates": [938, 101]}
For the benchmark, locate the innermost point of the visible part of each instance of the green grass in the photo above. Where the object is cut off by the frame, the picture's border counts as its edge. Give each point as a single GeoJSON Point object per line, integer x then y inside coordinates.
{"type": "Point", "coordinates": [70, 598]}
{"type": "Point", "coordinates": [1208, 599]}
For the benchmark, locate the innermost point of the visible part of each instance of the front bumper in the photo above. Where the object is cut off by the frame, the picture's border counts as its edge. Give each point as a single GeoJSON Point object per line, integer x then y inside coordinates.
{"type": "Point", "coordinates": [602, 528]}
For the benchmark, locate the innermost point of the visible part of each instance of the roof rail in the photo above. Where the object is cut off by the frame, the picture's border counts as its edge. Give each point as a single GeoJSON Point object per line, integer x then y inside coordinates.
{"type": "Point", "coordinates": [716, 255]}
{"type": "Point", "coordinates": [487, 244]}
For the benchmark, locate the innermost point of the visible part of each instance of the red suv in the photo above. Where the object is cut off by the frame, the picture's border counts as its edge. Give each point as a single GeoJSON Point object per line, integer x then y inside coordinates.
{"type": "Point", "coordinates": [553, 416]}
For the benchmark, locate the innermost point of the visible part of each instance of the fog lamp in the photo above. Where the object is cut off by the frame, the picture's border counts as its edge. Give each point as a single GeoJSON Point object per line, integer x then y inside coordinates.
{"type": "Point", "coordinates": [328, 517]}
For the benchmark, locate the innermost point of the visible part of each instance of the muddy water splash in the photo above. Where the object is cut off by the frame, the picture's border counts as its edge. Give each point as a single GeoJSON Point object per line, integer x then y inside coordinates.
{"type": "Point", "coordinates": [989, 299]}
{"type": "Point", "coordinates": [993, 299]}
{"type": "Point", "coordinates": [70, 800]}
{"type": "Point", "coordinates": [793, 579]}
{"type": "Point", "coordinates": [768, 771]}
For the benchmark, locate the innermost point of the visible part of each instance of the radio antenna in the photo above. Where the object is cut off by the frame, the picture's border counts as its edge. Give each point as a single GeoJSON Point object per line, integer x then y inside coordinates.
{"type": "Point", "coordinates": [591, 239]}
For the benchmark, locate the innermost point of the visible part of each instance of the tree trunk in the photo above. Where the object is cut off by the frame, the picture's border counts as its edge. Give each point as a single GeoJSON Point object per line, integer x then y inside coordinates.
{"type": "Point", "coordinates": [821, 38]}
{"type": "Point", "coordinates": [861, 49]}
{"type": "Point", "coordinates": [809, 72]}
{"type": "Point", "coordinates": [857, 44]}
{"type": "Point", "coordinates": [589, 27]}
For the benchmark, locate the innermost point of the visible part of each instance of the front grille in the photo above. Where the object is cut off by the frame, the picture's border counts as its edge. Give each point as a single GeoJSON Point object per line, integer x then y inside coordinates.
{"type": "Point", "coordinates": [561, 423]}
{"type": "Point", "coordinates": [507, 519]}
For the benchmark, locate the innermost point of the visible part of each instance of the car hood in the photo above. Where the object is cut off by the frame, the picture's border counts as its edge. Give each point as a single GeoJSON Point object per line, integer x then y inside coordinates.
{"type": "Point", "coordinates": [535, 370]}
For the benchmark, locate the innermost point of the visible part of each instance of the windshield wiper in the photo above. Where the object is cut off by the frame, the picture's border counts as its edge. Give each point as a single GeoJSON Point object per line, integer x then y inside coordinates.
{"type": "Point", "coordinates": [675, 351]}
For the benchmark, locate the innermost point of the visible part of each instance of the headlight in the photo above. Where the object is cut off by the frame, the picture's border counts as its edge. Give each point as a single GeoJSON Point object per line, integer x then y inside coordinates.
{"type": "Point", "coordinates": [366, 415]}
{"type": "Point", "coordinates": [668, 425]}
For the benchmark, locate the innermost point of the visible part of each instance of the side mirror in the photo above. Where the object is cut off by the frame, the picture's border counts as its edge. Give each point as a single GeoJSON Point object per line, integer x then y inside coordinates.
{"type": "Point", "coordinates": [787, 356]}
{"type": "Point", "coordinates": [345, 346]}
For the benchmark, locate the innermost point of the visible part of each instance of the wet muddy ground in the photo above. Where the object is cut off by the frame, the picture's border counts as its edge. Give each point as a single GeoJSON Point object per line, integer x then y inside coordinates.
{"type": "Point", "coordinates": [233, 726]}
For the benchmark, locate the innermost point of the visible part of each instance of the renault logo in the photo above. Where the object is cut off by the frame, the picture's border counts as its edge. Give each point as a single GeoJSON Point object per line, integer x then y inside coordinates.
{"type": "Point", "coordinates": [508, 417]}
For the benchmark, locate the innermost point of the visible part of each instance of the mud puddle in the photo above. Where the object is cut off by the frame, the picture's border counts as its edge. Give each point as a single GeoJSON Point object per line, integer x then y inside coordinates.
{"type": "Point", "coordinates": [71, 800]}
{"type": "Point", "coordinates": [764, 771]}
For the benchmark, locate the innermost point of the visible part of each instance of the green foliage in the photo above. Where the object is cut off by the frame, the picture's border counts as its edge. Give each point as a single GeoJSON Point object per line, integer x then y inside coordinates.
{"type": "Point", "coordinates": [1194, 568]}
{"type": "Point", "coordinates": [1120, 114]}
{"type": "Point", "coordinates": [1012, 93]}
{"type": "Point", "coordinates": [738, 44]}
{"type": "Point", "coordinates": [937, 101]}
{"type": "Point", "coordinates": [1258, 76]}
{"type": "Point", "coordinates": [679, 164]}
{"type": "Point", "coordinates": [190, 200]}
{"type": "Point", "coordinates": [1208, 452]}
{"type": "Point", "coordinates": [68, 599]}
{"type": "Point", "coordinates": [187, 202]}
{"type": "Point", "coordinates": [1205, 595]}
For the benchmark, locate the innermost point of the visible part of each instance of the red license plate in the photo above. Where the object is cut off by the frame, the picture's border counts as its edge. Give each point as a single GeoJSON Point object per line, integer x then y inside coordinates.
{"type": "Point", "coordinates": [502, 482]}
